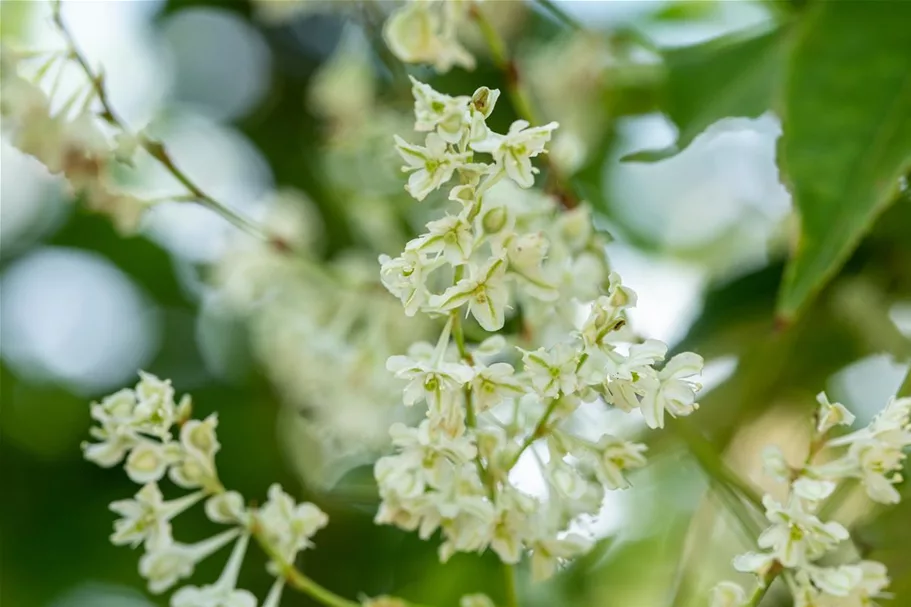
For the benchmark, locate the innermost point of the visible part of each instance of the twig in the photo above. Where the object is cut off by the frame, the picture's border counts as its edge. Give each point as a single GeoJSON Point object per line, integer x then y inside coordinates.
{"type": "Point", "coordinates": [520, 100]}
{"type": "Point", "coordinates": [560, 15]}
{"type": "Point", "coordinates": [158, 151]}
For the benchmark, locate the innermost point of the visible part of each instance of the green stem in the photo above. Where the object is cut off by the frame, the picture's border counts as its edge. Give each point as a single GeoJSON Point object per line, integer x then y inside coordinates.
{"type": "Point", "coordinates": [510, 585]}
{"type": "Point", "coordinates": [711, 462]}
{"type": "Point", "coordinates": [296, 579]}
{"type": "Point", "coordinates": [763, 586]}
{"type": "Point", "coordinates": [560, 15]}
{"type": "Point", "coordinates": [537, 433]}
{"type": "Point", "coordinates": [743, 515]}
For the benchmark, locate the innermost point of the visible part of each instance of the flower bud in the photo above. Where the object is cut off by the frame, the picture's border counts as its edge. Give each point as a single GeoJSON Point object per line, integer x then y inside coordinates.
{"type": "Point", "coordinates": [484, 100]}
{"type": "Point", "coordinates": [146, 463]}
{"type": "Point", "coordinates": [774, 463]}
{"type": "Point", "coordinates": [494, 220]}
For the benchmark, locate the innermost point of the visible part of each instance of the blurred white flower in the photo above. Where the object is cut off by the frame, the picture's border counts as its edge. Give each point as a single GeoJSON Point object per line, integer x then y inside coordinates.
{"type": "Point", "coordinates": [224, 592]}
{"type": "Point", "coordinates": [146, 517]}
{"type": "Point", "coordinates": [287, 525]}
{"type": "Point", "coordinates": [728, 594]}
{"type": "Point", "coordinates": [166, 565]}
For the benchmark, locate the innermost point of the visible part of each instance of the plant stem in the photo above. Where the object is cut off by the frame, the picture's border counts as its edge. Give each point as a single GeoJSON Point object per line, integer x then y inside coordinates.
{"type": "Point", "coordinates": [712, 463]}
{"type": "Point", "coordinates": [763, 586]}
{"type": "Point", "coordinates": [537, 433]}
{"type": "Point", "coordinates": [519, 98]}
{"type": "Point", "coordinates": [157, 150]}
{"type": "Point", "coordinates": [510, 586]}
{"type": "Point", "coordinates": [735, 505]}
{"type": "Point", "coordinates": [560, 15]}
{"type": "Point", "coordinates": [297, 580]}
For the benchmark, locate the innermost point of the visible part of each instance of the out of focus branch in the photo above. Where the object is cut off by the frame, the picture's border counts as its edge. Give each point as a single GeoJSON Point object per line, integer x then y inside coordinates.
{"type": "Point", "coordinates": [520, 100]}
{"type": "Point", "coordinates": [158, 151]}
{"type": "Point", "coordinates": [560, 15]}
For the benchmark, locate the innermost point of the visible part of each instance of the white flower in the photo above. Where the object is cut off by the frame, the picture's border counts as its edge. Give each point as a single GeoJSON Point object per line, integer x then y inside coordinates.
{"type": "Point", "coordinates": [468, 522]}
{"type": "Point", "coordinates": [548, 552]}
{"type": "Point", "coordinates": [287, 525]}
{"type": "Point", "coordinates": [831, 414]}
{"type": "Point", "coordinates": [891, 427]}
{"type": "Point", "coordinates": [166, 565]}
{"type": "Point", "coordinates": [614, 456]}
{"type": "Point", "coordinates": [491, 385]}
{"type": "Point", "coordinates": [526, 255]}
{"type": "Point", "coordinates": [148, 462]}
{"type": "Point", "coordinates": [553, 371]}
{"type": "Point", "coordinates": [430, 165]}
{"type": "Point", "coordinates": [404, 277]}
{"type": "Point", "coordinates": [483, 102]}
{"type": "Point", "coordinates": [22, 101]}
{"type": "Point", "coordinates": [491, 346]}
{"type": "Point", "coordinates": [673, 390]}
{"type": "Point", "coordinates": [512, 524]}
{"type": "Point", "coordinates": [199, 436]}
{"type": "Point", "coordinates": [796, 536]}
{"type": "Point", "coordinates": [155, 409]}
{"type": "Point", "coordinates": [415, 33]}
{"type": "Point", "coordinates": [835, 581]}
{"type": "Point", "coordinates": [758, 563]}
{"type": "Point", "coordinates": [485, 292]}
{"type": "Point", "coordinates": [812, 490]}
{"type": "Point", "coordinates": [125, 146]}
{"type": "Point", "coordinates": [224, 592]}
{"type": "Point", "coordinates": [194, 462]}
{"type": "Point", "coordinates": [802, 589]}
{"type": "Point", "coordinates": [728, 594]}
{"type": "Point", "coordinates": [476, 600]}
{"type": "Point", "coordinates": [146, 517]}
{"type": "Point", "coordinates": [436, 382]}
{"type": "Point", "coordinates": [514, 151]}
{"type": "Point", "coordinates": [427, 457]}
{"type": "Point", "coordinates": [607, 315]}
{"type": "Point", "coordinates": [227, 508]}
{"type": "Point", "coordinates": [124, 210]}
{"type": "Point", "coordinates": [873, 580]}
{"type": "Point", "coordinates": [774, 463]}
{"type": "Point", "coordinates": [449, 236]}
{"type": "Point", "coordinates": [875, 453]}
{"type": "Point", "coordinates": [118, 431]}
{"type": "Point", "coordinates": [879, 467]}
{"type": "Point", "coordinates": [436, 111]}
{"type": "Point", "coordinates": [401, 476]}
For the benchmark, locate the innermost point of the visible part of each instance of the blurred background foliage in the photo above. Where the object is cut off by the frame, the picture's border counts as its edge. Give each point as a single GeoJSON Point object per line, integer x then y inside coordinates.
{"type": "Point", "coordinates": [701, 226]}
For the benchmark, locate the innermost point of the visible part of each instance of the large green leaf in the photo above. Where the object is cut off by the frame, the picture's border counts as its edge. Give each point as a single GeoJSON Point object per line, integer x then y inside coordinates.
{"type": "Point", "coordinates": [847, 133]}
{"type": "Point", "coordinates": [734, 75]}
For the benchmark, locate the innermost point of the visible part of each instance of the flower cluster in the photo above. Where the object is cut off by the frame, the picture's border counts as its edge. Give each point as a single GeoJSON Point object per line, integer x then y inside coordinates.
{"type": "Point", "coordinates": [426, 32]}
{"type": "Point", "coordinates": [137, 426]}
{"type": "Point", "coordinates": [67, 138]}
{"type": "Point", "coordinates": [322, 332]}
{"type": "Point", "coordinates": [798, 539]}
{"type": "Point", "coordinates": [489, 259]}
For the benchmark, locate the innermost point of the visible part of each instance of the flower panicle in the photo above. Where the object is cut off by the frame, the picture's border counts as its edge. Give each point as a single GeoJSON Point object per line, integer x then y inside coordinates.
{"type": "Point", "coordinates": [153, 436]}
{"type": "Point", "coordinates": [797, 539]}
{"type": "Point", "coordinates": [503, 250]}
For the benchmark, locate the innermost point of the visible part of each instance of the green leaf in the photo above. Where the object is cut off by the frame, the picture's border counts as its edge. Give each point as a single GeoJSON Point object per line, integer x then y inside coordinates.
{"type": "Point", "coordinates": [847, 133]}
{"type": "Point", "coordinates": [735, 75]}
